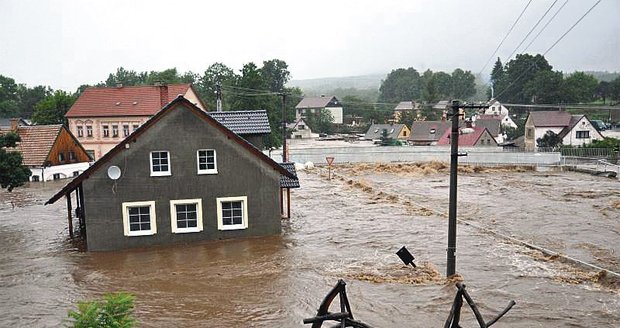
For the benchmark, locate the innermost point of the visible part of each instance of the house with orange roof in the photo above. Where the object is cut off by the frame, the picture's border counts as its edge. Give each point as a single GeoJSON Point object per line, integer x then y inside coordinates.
{"type": "Point", "coordinates": [102, 117]}
{"type": "Point", "coordinates": [476, 136]}
{"type": "Point", "coordinates": [51, 152]}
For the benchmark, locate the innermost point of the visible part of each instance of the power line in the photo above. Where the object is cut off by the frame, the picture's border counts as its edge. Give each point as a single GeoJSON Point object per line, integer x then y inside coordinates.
{"type": "Point", "coordinates": [549, 49]}
{"type": "Point", "coordinates": [504, 39]}
{"type": "Point", "coordinates": [531, 30]}
{"type": "Point", "coordinates": [545, 27]}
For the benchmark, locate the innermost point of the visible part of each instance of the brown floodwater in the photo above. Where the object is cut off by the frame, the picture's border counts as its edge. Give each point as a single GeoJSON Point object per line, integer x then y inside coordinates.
{"type": "Point", "coordinates": [348, 227]}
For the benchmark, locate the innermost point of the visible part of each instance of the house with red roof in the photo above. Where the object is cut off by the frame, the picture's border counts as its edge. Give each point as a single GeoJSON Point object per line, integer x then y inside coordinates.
{"type": "Point", "coordinates": [575, 130]}
{"type": "Point", "coordinates": [101, 117]}
{"type": "Point", "coordinates": [476, 136]}
{"type": "Point", "coordinates": [51, 152]}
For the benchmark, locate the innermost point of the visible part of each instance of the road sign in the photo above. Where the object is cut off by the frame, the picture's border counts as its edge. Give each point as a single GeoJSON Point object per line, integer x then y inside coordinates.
{"type": "Point", "coordinates": [330, 160]}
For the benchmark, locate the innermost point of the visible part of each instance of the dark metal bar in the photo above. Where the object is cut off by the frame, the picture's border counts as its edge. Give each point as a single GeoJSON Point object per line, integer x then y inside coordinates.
{"type": "Point", "coordinates": [494, 320]}
{"type": "Point", "coordinates": [288, 203]}
{"type": "Point", "coordinates": [472, 304]}
{"type": "Point", "coordinates": [284, 156]}
{"type": "Point", "coordinates": [80, 188]}
{"type": "Point", "coordinates": [454, 160]}
{"type": "Point", "coordinates": [69, 216]}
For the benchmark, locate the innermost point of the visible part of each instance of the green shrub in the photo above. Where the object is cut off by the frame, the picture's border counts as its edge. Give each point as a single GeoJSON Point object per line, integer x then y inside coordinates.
{"type": "Point", "coordinates": [114, 311]}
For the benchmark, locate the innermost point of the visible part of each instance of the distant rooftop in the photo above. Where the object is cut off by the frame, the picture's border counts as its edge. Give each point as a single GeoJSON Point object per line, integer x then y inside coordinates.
{"type": "Point", "coordinates": [244, 121]}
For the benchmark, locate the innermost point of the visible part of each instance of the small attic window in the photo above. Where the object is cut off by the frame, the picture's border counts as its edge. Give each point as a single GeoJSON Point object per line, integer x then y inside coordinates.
{"type": "Point", "coordinates": [391, 131]}
{"type": "Point", "coordinates": [432, 131]}
{"type": "Point", "coordinates": [118, 103]}
{"type": "Point", "coordinates": [376, 130]}
{"type": "Point", "coordinates": [135, 102]}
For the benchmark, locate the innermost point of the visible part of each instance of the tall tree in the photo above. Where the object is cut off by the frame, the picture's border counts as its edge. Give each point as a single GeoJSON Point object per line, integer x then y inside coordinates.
{"type": "Point", "coordinates": [603, 89]}
{"type": "Point", "coordinates": [401, 85]}
{"type": "Point", "coordinates": [498, 71]}
{"type": "Point", "coordinates": [518, 71]}
{"type": "Point", "coordinates": [216, 73]}
{"type": "Point", "coordinates": [168, 76]}
{"type": "Point", "coordinates": [8, 97]}
{"type": "Point", "coordinates": [463, 84]}
{"type": "Point", "coordinates": [12, 173]}
{"type": "Point", "coordinates": [430, 91]}
{"type": "Point", "coordinates": [579, 87]}
{"type": "Point", "coordinates": [29, 97]}
{"type": "Point", "coordinates": [53, 108]}
{"type": "Point", "coordinates": [443, 81]}
{"type": "Point", "coordinates": [544, 88]}
{"type": "Point", "coordinates": [276, 74]}
{"type": "Point", "coordinates": [125, 77]}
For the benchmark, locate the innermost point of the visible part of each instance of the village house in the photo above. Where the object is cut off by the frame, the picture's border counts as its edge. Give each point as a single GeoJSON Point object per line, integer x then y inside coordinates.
{"type": "Point", "coordinates": [404, 107]}
{"type": "Point", "coordinates": [101, 117]}
{"type": "Point", "coordinates": [493, 124]}
{"type": "Point", "coordinates": [51, 152]}
{"type": "Point", "coordinates": [505, 120]}
{"type": "Point", "coordinates": [314, 105]}
{"type": "Point", "coordinates": [470, 137]}
{"type": "Point", "coordinates": [394, 131]}
{"type": "Point", "coordinates": [301, 130]}
{"type": "Point", "coordinates": [180, 177]}
{"type": "Point", "coordinates": [496, 108]}
{"type": "Point", "coordinates": [9, 122]}
{"type": "Point", "coordinates": [427, 133]}
{"type": "Point", "coordinates": [574, 130]}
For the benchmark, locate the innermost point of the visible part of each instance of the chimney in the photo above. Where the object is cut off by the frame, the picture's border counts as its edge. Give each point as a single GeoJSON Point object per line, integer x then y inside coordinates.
{"type": "Point", "coordinates": [14, 124]}
{"type": "Point", "coordinates": [163, 95]}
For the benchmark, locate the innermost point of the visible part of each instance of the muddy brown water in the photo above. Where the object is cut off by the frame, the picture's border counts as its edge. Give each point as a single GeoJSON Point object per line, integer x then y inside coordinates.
{"type": "Point", "coordinates": [350, 228]}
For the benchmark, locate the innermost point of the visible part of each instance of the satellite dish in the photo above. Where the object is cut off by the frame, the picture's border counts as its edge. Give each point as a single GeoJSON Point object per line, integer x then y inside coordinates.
{"type": "Point", "coordinates": [114, 172]}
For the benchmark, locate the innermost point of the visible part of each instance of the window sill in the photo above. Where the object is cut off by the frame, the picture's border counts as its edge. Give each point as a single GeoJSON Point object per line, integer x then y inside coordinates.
{"type": "Point", "coordinates": [140, 233]}
{"type": "Point", "coordinates": [161, 174]}
{"type": "Point", "coordinates": [234, 227]}
{"type": "Point", "coordinates": [187, 230]}
{"type": "Point", "coordinates": [207, 172]}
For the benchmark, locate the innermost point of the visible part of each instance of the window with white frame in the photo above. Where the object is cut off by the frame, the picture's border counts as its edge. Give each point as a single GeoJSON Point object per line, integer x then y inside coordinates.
{"type": "Point", "coordinates": [232, 213]}
{"type": "Point", "coordinates": [207, 163]}
{"type": "Point", "coordinates": [139, 218]}
{"type": "Point", "coordinates": [89, 131]}
{"type": "Point", "coordinates": [186, 215]}
{"type": "Point", "coordinates": [583, 134]}
{"type": "Point", "coordinates": [160, 163]}
{"type": "Point", "coordinates": [80, 131]}
{"type": "Point", "coordinates": [106, 131]}
{"type": "Point", "coordinates": [125, 130]}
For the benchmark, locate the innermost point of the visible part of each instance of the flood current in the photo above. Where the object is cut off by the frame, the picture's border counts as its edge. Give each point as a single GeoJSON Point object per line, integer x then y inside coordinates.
{"type": "Point", "coordinates": [347, 228]}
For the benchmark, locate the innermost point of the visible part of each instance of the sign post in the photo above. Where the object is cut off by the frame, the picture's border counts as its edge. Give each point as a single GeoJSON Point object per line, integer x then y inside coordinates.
{"type": "Point", "coordinates": [329, 160]}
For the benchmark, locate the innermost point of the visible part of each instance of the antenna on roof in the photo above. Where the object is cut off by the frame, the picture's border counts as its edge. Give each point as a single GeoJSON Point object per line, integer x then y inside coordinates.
{"type": "Point", "coordinates": [218, 93]}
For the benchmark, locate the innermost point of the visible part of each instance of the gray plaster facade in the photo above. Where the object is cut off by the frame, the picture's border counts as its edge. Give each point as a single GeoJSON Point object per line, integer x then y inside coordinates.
{"type": "Point", "coordinates": [181, 132]}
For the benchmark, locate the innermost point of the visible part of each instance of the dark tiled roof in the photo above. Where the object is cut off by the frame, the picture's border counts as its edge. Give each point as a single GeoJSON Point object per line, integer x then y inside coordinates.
{"type": "Point", "coordinates": [421, 130]}
{"type": "Point", "coordinates": [550, 118]}
{"type": "Point", "coordinates": [286, 182]}
{"type": "Point", "coordinates": [318, 102]}
{"type": "Point", "coordinates": [6, 122]}
{"type": "Point", "coordinates": [492, 124]}
{"type": "Point", "coordinates": [244, 121]}
{"type": "Point", "coordinates": [36, 142]}
{"type": "Point", "coordinates": [376, 131]}
{"type": "Point", "coordinates": [125, 101]}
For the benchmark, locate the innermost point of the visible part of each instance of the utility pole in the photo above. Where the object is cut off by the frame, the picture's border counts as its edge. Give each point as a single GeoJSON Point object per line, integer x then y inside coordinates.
{"type": "Point", "coordinates": [218, 94]}
{"type": "Point", "coordinates": [454, 162]}
{"type": "Point", "coordinates": [284, 155]}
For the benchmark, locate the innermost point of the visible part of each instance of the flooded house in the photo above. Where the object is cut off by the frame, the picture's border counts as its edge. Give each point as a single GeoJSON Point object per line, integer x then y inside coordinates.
{"type": "Point", "coordinates": [574, 130]}
{"type": "Point", "coordinates": [427, 133]}
{"type": "Point", "coordinates": [51, 152]}
{"type": "Point", "coordinates": [181, 177]}
{"type": "Point", "coordinates": [476, 136]}
{"type": "Point", "coordinates": [393, 131]}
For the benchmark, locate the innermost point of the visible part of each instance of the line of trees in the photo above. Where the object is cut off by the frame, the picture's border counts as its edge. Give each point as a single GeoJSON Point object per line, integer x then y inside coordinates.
{"type": "Point", "coordinates": [530, 79]}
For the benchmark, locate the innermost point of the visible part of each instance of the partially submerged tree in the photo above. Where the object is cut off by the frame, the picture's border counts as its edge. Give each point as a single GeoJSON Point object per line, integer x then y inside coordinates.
{"type": "Point", "coordinates": [12, 172]}
{"type": "Point", "coordinates": [114, 311]}
{"type": "Point", "coordinates": [549, 140]}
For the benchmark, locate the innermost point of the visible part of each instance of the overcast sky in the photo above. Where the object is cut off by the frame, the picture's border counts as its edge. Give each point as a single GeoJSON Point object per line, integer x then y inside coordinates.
{"type": "Point", "coordinates": [68, 43]}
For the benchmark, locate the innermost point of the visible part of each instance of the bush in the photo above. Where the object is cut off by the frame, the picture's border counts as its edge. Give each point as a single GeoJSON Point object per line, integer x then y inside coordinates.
{"type": "Point", "coordinates": [114, 311]}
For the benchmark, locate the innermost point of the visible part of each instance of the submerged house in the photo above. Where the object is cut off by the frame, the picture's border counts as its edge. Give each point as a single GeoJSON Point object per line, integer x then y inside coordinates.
{"type": "Point", "coordinates": [427, 133]}
{"type": "Point", "coordinates": [470, 137]}
{"type": "Point", "coordinates": [51, 152]}
{"type": "Point", "coordinates": [574, 130]}
{"type": "Point", "coordinates": [180, 177]}
{"type": "Point", "coordinates": [393, 131]}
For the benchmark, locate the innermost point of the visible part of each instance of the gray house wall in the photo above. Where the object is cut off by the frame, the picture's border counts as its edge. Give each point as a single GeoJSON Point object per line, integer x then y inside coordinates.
{"type": "Point", "coordinates": [181, 133]}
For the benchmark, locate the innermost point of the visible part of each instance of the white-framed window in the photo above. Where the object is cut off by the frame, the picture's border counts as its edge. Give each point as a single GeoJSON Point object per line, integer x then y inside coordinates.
{"type": "Point", "coordinates": [160, 163]}
{"type": "Point", "coordinates": [115, 131]}
{"type": "Point", "coordinates": [232, 213]}
{"type": "Point", "coordinates": [106, 131]}
{"type": "Point", "coordinates": [80, 131]}
{"type": "Point", "coordinates": [186, 215]}
{"type": "Point", "coordinates": [139, 218]}
{"type": "Point", "coordinates": [583, 135]}
{"type": "Point", "coordinates": [207, 161]}
{"type": "Point", "coordinates": [89, 130]}
{"type": "Point", "coordinates": [125, 130]}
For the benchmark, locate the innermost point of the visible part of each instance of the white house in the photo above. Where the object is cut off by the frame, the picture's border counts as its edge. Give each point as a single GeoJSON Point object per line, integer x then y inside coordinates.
{"type": "Point", "coordinates": [301, 130]}
{"type": "Point", "coordinates": [496, 108]}
{"type": "Point", "coordinates": [575, 130]}
{"type": "Point", "coordinates": [314, 106]}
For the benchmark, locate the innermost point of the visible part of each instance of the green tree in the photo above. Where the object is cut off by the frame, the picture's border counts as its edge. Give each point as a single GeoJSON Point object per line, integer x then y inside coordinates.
{"type": "Point", "coordinates": [8, 97]}
{"type": "Point", "coordinates": [430, 91]}
{"type": "Point", "coordinates": [579, 87]}
{"type": "Point", "coordinates": [443, 81]}
{"type": "Point", "coordinates": [216, 73]}
{"type": "Point", "coordinates": [125, 77]}
{"type": "Point", "coordinates": [511, 87]}
{"type": "Point", "coordinates": [498, 71]}
{"type": "Point", "coordinates": [463, 84]}
{"type": "Point", "coordinates": [53, 108]}
{"type": "Point", "coordinates": [603, 90]}
{"type": "Point", "coordinates": [513, 133]}
{"type": "Point", "coordinates": [544, 88]}
{"type": "Point", "coordinates": [12, 173]}
{"type": "Point", "coordinates": [400, 85]}
{"type": "Point", "coordinates": [549, 140]}
{"type": "Point", "coordinates": [322, 122]}
{"type": "Point", "coordinates": [29, 97]}
{"type": "Point", "coordinates": [615, 89]}
{"type": "Point", "coordinates": [168, 76]}
{"type": "Point", "coordinates": [276, 74]}
{"type": "Point", "coordinates": [114, 311]}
